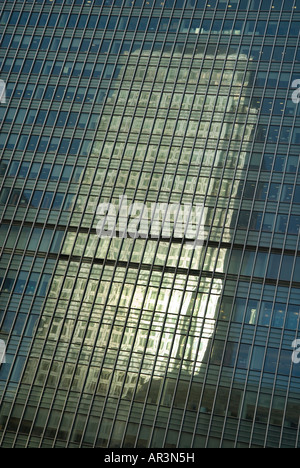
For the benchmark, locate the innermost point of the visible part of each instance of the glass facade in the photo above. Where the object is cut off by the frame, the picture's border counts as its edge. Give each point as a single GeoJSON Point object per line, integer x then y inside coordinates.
{"type": "Point", "coordinates": [124, 342]}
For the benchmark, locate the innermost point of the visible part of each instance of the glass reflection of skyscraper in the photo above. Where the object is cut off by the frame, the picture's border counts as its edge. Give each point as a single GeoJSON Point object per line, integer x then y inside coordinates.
{"type": "Point", "coordinates": [144, 342]}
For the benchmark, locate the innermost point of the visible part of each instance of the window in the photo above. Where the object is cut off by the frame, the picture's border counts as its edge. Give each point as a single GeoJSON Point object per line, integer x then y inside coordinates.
{"type": "Point", "coordinates": [292, 317]}
{"type": "Point", "coordinates": [36, 198]}
{"type": "Point", "coordinates": [247, 264]}
{"type": "Point", "coordinates": [23, 239]}
{"type": "Point", "coordinates": [59, 93]}
{"type": "Point", "coordinates": [265, 313]}
{"type": "Point", "coordinates": [82, 122]}
{"type": "Point", "coordinates": [9, 281]}
{"type": "Point", "coordinates": [13, 168]}
{"type": "Point", "coordinates": [20, 283]}
{"type": "Point", "coordinates": [95, 46]}
{"type": "Point", "coordinates": [274, 265]}
{"type": "Point", "coordinates": [3, 233]}
{"type": "Point", "coordinates": [69, 202]}
{"type": "Point", "coordinates": [252, 312]}
{"type": "Point", "coordinates": [43, 286]}
{"type": "Point", "coordinates": [14, 18]}
{"type": "Point", "coordinates": [43, 144]}
{"type": "Point", "coordinates": [67, 172]}
{"type": "Point", "coordinates": [260, 264]}
{"type": "Point", "coordinates": [75, 143]}
{"type": "Point", "coordinates": [56, 171]}
{"type": "Point", "coordinates": [45, 171]}
{"type": "Point", "coordinates": [14, 197]}
{"type": "Point", "coordinates": [286, 268]}
{"type": "Point", "coordinates": [32, 143]}
{"type": "Point", "coordinates": [32, 283]}
{"type": "Point", "coordinates": [57, 241]}
{"type": "Point", "coordinates": [294, 225]}
{"type": "Point", "coordinates": [72, 21]}
{"type": "Point", "coordinates": [45, 240]}
{"type": "Point", "coordinates": [4, 17]}
{"type": "Point", "coordinates": [58, 201]}
{"type": "Point", "coordinates": [93, 19]}
{"type": "Point", "coordinates": [82, 21]}
{"type": "Point", "coordinates": [47, 200]}
{"type": "Point", "coordinates": [24, 170]}
{"type": "Point", "coordinates": [102, 22]}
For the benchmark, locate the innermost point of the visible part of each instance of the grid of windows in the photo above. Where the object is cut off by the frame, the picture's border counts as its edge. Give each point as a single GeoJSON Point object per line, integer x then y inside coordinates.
{"type": "Point", "coordinates": [142, 342]}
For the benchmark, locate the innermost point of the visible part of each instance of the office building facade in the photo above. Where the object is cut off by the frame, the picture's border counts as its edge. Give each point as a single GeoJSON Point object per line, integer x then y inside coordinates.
{"type": "Point", "coordinates": [136, 340]}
